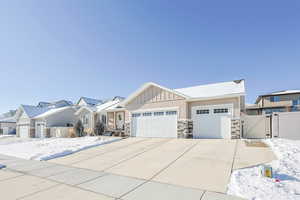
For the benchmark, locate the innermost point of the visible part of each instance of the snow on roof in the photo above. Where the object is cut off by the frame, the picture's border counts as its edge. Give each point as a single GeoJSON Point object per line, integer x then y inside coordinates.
{"type": "Point", "coordinates": [8, 114]}
{"type": "Point", "coordinates": [114, 107]}
{"type": "Point", "coordinates": [284, 92]}
{"type": "Point", "coordinates": [107, 105]}
{"type": "Point", "coordinates": [8, 120]}
{"type": "Point", "coordinates": [52, 111]}
{"type": "Point", "coordinates": [214, 90]}
{"type": "Point", "coordinates": [91, 101]}
{"type": "Point", "coordinates": [33, 111]}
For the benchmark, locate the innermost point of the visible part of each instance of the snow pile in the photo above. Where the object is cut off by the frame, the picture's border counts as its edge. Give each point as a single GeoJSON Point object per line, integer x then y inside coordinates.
{"type": "Point", "coordinates": [249, 184]}
{"type": "Point", "coordinates": [5, 136]}
{"type": "Point", "coordinates": [49, 148]}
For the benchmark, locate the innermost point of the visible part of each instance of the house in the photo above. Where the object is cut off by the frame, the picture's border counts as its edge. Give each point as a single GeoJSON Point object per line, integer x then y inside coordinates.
{"type": "Point", "coordinates": [8, 125]}
{"type": "Point", "coordinates": [56, 104]}
{"type": "Point", "coordinates": [282, 101]}
{"type": "Point", "coordinates": [85, 101]}
{"type": "Point", "coordinates": [33, 121]}
{"type": "Point", "coordinates": [204, 111]}
{"type": "Point", "coordinates": [90, 115]}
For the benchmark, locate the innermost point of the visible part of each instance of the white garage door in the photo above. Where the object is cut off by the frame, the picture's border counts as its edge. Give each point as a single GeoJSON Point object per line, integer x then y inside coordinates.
{"type": "Point", "coordinates": [213, 121]}
{"type": "Point", "coordinates": [24, 131]}
{"type": "Point", "coordinates": [154, 124]}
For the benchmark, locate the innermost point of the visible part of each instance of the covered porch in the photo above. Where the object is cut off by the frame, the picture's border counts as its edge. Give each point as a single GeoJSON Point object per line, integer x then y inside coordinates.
{"type": "Point", "coordinates": [116, 121]}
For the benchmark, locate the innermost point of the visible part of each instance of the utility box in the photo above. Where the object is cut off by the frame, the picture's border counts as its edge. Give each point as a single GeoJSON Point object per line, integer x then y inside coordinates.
{"type": "Point", "coordinates": [267, 171]}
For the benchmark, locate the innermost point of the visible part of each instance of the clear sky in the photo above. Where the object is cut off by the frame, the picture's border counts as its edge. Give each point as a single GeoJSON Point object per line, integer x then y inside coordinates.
{"type": "Point", "coordinates": [64, 49]}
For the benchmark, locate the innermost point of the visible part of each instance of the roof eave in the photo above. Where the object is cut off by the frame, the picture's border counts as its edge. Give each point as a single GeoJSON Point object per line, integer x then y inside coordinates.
{"type": "Point", "coordinates": [116, 110]}
{"type": "Point", "coordinates": [42, 116]}
{"type": "Point", "coordinates": [215, 97]}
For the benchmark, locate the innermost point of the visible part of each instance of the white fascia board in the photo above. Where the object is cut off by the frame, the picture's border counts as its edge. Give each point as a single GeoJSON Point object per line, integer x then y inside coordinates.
{"type": "Point", "coordinates": [155, 109]}
{"type": "Point", "coordinates": [83, 108]}
{"type": "Point", "coordinates": [115, 110]}
{"type": "Point", "coordinates": [216, 97]}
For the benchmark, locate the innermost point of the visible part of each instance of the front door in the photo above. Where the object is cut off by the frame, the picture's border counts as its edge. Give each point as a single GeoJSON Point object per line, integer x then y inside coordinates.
{"type": "Point", "coordinates": [120, 120]}
{"type": "Point", "coordinates": [40, 130]}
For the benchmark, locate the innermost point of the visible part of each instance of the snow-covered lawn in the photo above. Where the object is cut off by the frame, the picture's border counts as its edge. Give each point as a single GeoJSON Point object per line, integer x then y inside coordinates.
{"type": "Point", "coordinates": [5, 136]}
{"type": "Point", "coordinates": [285, 185]}
{"type": "Point", "coordinates": [49, 148]}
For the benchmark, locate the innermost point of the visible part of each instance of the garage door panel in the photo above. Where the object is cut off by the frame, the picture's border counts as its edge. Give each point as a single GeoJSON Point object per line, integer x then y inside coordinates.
{"type": "Point", "coordinates": [154, 124]}
{"type": "Point", "coordinates": [212, 121]}
{"type": "Point", "coordinates": [24, 131]}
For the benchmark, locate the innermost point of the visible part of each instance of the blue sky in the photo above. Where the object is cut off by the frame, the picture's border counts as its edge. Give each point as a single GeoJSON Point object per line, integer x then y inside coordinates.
{"type": "Point", "coordinates": [64, 49]}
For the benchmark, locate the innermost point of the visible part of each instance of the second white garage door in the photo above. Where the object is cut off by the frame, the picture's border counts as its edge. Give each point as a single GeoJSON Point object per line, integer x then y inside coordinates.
{"type": "Point", "coordinates": [212, 121]}
{"type": "Point", "coordinates": [24, 131]}
{"type": "Point", "coordinates": [154, 124]}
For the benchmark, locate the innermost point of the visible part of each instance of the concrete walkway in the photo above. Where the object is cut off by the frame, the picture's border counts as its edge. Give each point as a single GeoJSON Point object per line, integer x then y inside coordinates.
{"type": "Point", "coordinates": [132, 169]}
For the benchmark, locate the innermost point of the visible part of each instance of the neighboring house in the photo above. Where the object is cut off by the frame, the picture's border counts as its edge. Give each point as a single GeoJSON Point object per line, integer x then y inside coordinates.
{"type": "Point", "coordinates": [283, 101]}
{"type": "Point", "coordinates": [56, 104]}
{"type": "Point", "coordinates": [8, 126]}
{"type": "Point", "coordinates": [205, 111]}
{"type": "Point", "coordinates": [84, 101]}
{"type": "Point", "coordinates": [8, 114]}
{"type": "Point", "coordinates": [32, 121]}
{"type": "Point", "coordinates": [91, 115]}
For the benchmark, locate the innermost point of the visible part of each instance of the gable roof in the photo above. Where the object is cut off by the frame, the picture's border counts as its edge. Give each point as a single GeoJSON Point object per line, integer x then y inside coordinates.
{"type": "Point", "coordinates": [100, 107]}
{"type": "Point", "coordinates": [90, 101]}
{"type": "Point", "coordinates": [146, 86]}
{"type": "Point", "coordinates": [8, 114]}
{"type": "Point", "coordinates": [222, 89]}
{"type": "Point", "coordinates": [55, 104]}
{"type": "Point", "coordinates": [108, 104]}
{"type": "Point", "coordinates": [88, 108]}
{"type": "Point", "coordinates": [8, 120]}
{"type": "Point", "coordinates": [283, 92]}
{"type": "Point", "coordinates": [32, 111]}
{"type": "Point", "coordinates": [216, 90]}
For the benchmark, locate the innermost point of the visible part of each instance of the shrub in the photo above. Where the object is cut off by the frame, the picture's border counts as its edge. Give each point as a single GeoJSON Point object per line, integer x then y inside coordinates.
{"type": "Point", "coordinates": [79, 128]}
{"type": "Point", "coordinates": [99, 128]}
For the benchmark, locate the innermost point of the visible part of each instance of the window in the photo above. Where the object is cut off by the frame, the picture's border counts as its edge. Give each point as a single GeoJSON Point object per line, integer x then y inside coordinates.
{"type": "Point", "coordinates": [85, 119]}
{"type": "Point", "coordinates": [147, 114]}
{"type": "Point", "coordinates": [171, 113]}
{"type": "Point", "coordinates": [159, 113]}
{"type": "Point", "coordinates": [202, 112]}
{"type": "Point", "coordinates": [296, 102]}
{"type": "Point", "coordinates": [275, 98]}
{"type": "Point", "coordinates": [271, 110]}
{"type": "Point", "coordinates": [136, 115]}
{"type": "Point", "coordinates": [221, 110]}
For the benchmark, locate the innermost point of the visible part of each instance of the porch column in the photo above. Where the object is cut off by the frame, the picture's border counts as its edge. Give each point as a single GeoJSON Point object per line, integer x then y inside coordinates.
{"type": "Point", "coordinates": [115, 120]}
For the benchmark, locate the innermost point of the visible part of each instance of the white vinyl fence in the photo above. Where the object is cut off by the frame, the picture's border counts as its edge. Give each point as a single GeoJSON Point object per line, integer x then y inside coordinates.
{"type": "Point", "coordinates": [286, 125]}
{"type": "Point", "coordinates": [59, 132]}
{"type": "Point", "coordinates": [256, 126]}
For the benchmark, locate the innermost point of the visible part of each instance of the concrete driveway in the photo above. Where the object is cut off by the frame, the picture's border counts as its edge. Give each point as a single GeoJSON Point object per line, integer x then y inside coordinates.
{"type": "Point", "coordinates": [139, 168]}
